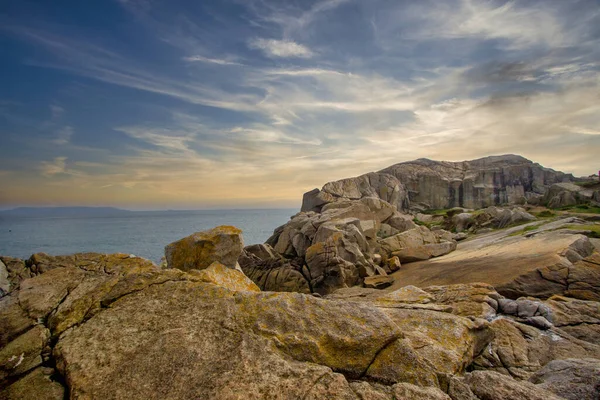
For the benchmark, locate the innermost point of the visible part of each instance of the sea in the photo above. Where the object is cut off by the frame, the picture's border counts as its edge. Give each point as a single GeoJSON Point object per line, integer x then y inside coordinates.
{"type": "Point", "coordinates": [142, 233]}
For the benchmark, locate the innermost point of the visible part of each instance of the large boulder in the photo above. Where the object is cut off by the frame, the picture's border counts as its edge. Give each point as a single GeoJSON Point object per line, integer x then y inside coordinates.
{"type": "Point", "coordinates": [490, 385]}
{"type": "Point", "coordinates": [543, 264]}
{"type": "Point", "coordinates": [568, 194]}
{"type": "Point", "coordinates": [519, 350]}
{"type": "Point", "coordinates": [223, 244]}
{"type": "Point", "coordinates": [416, 244]}
{"type": "Point", "coordinates": [579, 318]}
{"type": "Point", "coordinates": [572, 379]}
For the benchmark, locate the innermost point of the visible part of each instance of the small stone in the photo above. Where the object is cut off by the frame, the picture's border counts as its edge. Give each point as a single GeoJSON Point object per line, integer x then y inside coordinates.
{"type": "Point", "coordinates": [539, 322]}
{"type": "Point", "coordinates": [378, 281]}
{"type": "Point", "coordinates": [380, 271]}
{"type": "Point", "coordinates": [394, 263]}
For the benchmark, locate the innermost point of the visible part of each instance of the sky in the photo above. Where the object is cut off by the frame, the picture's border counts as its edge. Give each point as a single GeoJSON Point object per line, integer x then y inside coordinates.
{"type": "Point", "coordinates": [189, 104]}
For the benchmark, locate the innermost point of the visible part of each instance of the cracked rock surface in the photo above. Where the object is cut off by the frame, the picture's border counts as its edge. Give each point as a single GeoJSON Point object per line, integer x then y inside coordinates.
{"type": "Point", "coordinates": [114, 326]}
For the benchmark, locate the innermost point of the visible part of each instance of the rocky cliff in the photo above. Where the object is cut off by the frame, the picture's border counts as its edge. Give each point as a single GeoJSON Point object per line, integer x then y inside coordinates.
{"type": "Point", "coordinates": [428, 184]}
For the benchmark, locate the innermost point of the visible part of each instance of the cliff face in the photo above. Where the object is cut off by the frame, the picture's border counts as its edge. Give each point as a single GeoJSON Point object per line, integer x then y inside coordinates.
{"type": "Point", "coordinates": [424, 183]}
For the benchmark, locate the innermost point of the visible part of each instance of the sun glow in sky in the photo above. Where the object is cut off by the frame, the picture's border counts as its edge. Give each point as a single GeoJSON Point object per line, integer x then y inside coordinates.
{"type": "Point", "coordinates": [250, 103]}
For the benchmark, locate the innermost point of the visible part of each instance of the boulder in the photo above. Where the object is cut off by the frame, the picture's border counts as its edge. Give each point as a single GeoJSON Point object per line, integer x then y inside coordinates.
{"type": "Point", "coordinates": [493, 386]}
{"type": "Point", "coordinates": [37, 384]}
{"type": "Point", "coordinates": [516, 265]}
{"type": "Point", "coordinates": [462, 221]}
{"type": "Point", "coordinates": [393, 263]}
{"type": "Point", "coordinates": [567, 194]}
{"type": "Point", "coordinates": [16, 271]}
{"type": "Point", "coordinates": [277, 274]}
{"type": "Point", "coordinates": [476, 300]}
{"type": "Point", "coordinates": [378, 281]}
{"type": "Point", "coordinates": [24, 353]}
{"type": "Point", "coordinates": [262, 251]}
{"type": "Point", "coordinates": [199, 250]}
{"type": "Point", "coordinates": [415, 245]}
{"type": "Point", "coordinates": [579, 318]}
{"type": "Point", "coordinates": [401, 222]}
{"type": "Point", "coordinates": [572, 379]}
{"type": "Point", "coordinates": [519, 350]}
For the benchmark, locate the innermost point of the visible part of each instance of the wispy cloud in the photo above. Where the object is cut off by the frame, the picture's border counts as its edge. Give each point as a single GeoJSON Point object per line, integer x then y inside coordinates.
{"type": "Point", "coordinates": [54, 167]}
{"type": "Point", "coordinates": [217, 61]}
{"type": "Point", "coordinates": [63, 135]}
{"type": "Point", "coordinates": [280, 48]}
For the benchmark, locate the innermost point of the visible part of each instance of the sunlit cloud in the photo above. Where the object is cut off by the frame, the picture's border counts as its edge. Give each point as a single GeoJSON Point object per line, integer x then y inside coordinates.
{"type": "Point", "coordinates": [280, 48]}
{"type": "Point", "coordinates": [54, 167]}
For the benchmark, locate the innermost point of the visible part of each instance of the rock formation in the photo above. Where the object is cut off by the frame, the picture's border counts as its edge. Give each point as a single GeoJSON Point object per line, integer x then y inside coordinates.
{"type": "Point", "coordinates": [428, 184]}
{"type": "Point", "coordinates": [347, 232]}
{"type": "Point", "coordinates": [116, 326]}
{"type": "Point", "coordinates": [569, 194]}
{"type": "Point", "coordinates": [539, 259]}
{"type": "Point", "coordinates": [345, 243]}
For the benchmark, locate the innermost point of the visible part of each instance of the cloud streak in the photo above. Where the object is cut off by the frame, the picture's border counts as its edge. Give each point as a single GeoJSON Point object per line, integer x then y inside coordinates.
{"type": "Point", "coordinates": [280, 48]}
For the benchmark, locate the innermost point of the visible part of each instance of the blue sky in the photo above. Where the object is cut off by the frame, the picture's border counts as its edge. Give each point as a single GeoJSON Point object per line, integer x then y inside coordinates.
{"type": "Point", "coordinates": [204, 104]}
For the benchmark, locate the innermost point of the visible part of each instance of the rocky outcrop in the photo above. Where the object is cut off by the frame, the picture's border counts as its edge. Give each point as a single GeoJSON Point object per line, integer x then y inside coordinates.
{"type": "Point", "coordinates": [198, 251]}
{"type": "Point", "coordinates": [427, 184]}
{"type": "Point", "coordinates": [341, 246]}
{"type": "Point", "coordinates": [490, 217]}
{"type": "Point", "coordinates": [573, 379]}
{"type": "Point", "coordinates": [374, 184]}
{"type": "Point", "coordinates": [569, 194]}
{"type": "Point", "coordinates": [416, 244]}
{"type": "Point", "coordinates": [117, 326]}
{"type": "Point", "coordinates": [489, 181]}
{"type": "Point", "coordinates": [538, 259]}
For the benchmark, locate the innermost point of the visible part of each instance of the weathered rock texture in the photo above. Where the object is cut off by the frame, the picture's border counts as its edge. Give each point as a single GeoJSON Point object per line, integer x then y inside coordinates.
{"type": "Point", "coordinates": [540, 262]}
{"type": "Point", "coordinates": [428, 184]}
{"type": "Point", "coordinates": [569, 194]}
{"type": "Point", "coordinates": [507, 179]}
{"type": "Point", "coordinates": [98, 326]}
{"type": "Point", "coordinates": [198, 251]}
{"type": "Point", "coordinates": [341, 246]}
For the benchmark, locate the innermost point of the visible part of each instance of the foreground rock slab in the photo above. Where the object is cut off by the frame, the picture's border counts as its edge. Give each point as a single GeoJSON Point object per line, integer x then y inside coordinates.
{"type": "Point", "coordinates": [540, 265]}
{"type": "Point", "coordinates": [114, 326]}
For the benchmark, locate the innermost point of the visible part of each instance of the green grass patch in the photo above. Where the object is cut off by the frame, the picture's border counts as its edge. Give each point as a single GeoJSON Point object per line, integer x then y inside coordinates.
{"type": "Point", "coordinates": [581, 208]}
{"type": "Point", "coordinates": [545, 214]}
{"type": "Point", "coordinates": [525, 230]}
{"type": "Point", "coordinates": [588, 184]}
{"type": "Point", "coordinates": [421, 223]}
{"type": "Point", "coordinates": [594, 230]}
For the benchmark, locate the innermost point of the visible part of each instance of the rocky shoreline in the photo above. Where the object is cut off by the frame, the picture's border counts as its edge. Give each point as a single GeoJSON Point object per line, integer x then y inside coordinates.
{"type": "Point", "coordinates": [369, 292]}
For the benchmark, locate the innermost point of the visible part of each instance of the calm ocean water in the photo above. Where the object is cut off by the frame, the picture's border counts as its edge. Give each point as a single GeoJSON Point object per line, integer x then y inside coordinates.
{"type": "Point", "coordinates": [144, 234]}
